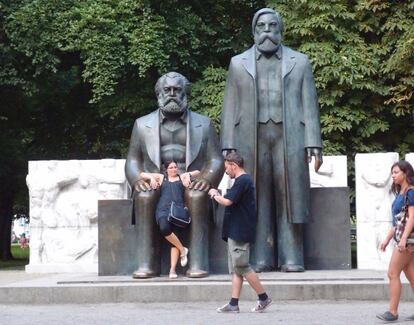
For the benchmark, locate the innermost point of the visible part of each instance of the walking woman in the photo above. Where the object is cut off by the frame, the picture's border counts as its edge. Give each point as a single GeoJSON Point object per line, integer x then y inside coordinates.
{"type": "Point", "coordinates": [402, 258]}
{"type": "Point", "coordinates": [172, 189]}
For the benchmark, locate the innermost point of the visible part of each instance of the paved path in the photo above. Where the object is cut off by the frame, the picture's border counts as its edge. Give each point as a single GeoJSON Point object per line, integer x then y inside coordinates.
{"type": "Point", "coordinates": [317, 312]}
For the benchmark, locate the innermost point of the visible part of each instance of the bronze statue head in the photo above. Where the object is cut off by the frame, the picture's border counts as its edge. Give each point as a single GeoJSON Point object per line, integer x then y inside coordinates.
{"type": "Point", "coordinates": [172, 90]}
{"type": "Point", "coordinates": [267, 27]}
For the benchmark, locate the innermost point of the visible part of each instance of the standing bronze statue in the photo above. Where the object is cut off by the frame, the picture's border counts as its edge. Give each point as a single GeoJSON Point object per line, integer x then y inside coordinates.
{"type": "Point", "coordinates": [271, 116]}
{"type": "Point", "coordinates": [173, 133]}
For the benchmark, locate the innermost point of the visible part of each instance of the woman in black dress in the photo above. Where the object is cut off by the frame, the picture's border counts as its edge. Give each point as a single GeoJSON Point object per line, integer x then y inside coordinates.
{"type": "Point", "coordinates": [172, 189]}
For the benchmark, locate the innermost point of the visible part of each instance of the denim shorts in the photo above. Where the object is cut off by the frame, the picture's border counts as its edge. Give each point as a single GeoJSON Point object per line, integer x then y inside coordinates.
{"type": "Point", "coordinates": [238, 257]}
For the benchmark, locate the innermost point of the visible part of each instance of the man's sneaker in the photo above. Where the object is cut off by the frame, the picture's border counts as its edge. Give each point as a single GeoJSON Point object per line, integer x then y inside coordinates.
{"type": "Point", "coordinates": [261, 305]}
{"type": "Point", "coordinates": [227, 308]}
{"type": "Point", "coordinates": [387, 317]}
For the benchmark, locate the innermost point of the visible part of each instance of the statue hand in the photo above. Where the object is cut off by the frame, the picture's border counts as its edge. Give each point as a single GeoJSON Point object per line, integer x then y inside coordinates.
{"type": "Point", "coordinates": [200, 185]}
{"type": "Point", "coordinates": [142, 186]}
{"type": "Point", "coordinates": [317, 153]}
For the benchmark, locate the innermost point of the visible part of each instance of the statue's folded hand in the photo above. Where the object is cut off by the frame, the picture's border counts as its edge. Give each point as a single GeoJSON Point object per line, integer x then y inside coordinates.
{"type": "Point", "coordinates": [142, 186]}
{"type": "Point", "coordinates": [317, 153]}
{"type": "Point", "coordinates": [200, 184]}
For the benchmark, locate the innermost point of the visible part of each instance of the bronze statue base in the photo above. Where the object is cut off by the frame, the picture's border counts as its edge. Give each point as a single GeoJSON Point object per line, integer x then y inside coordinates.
{"type": "Point", "coordinates": [143, 274]}
{"type": "Point", "coordinates": [197, 274]}
{"type": "Point", "coordinates": [292, 268]}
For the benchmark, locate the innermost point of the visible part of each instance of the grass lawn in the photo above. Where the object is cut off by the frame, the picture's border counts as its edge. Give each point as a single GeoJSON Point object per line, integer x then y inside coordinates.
{"type": "Point", "coordinates": [21, 258]}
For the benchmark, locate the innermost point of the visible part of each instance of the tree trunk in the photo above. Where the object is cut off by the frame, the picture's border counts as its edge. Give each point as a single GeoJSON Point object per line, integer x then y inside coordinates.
{"type": "Point", "coordinates": [6, 216]}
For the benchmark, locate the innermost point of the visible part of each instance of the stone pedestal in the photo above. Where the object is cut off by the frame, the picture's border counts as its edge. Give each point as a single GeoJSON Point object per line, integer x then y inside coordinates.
{"type": "Point", "coordinates": [118, 244]}
{"type": "Point", "coordinates": [327, 236]}
{"type": "Point", "coordinates": [116, 238]}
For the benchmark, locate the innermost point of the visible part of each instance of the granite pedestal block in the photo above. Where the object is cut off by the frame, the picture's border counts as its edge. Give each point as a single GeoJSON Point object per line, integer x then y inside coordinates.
{"type": "Point", "coordinates": [327, 240]}
{"type": "Point", "coordinates": [116, 238]}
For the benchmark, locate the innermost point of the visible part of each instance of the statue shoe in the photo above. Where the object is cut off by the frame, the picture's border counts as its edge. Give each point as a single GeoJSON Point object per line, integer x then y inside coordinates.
{"type": "Point", "coordinates": [292, 268]}
{"type": "Point", "coordinates": [143, 274]}
{"type": "Point", "coordinates": [259, 268]}
{"type": "Point", "coordinates": [196, 273]}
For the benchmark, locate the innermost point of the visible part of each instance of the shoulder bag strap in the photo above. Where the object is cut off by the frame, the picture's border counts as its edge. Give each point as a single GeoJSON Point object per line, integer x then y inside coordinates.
{"type": "Point", "coordinates": [405, 206]}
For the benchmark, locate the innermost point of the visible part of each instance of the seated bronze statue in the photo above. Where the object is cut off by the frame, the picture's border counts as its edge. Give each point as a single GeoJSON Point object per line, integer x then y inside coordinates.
{"type": "Point", "coordinates": [173, 133]}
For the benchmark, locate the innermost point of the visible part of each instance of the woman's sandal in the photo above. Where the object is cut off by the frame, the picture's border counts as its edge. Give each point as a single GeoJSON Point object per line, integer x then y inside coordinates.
{"type": "Point", "coordinates": [183, 257]}
{"type": "Point", "coordinates": [173, 275]}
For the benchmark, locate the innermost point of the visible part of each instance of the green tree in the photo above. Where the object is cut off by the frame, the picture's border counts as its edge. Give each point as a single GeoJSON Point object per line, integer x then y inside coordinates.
{"type": "Point", "coordinates": [363, 70]}
{"type": "Point", "coordinates": [344, 69]}
{"type": "Point", "coordinates": [12, 136]}
{"type": "Point", "coordinates": [388, 28]}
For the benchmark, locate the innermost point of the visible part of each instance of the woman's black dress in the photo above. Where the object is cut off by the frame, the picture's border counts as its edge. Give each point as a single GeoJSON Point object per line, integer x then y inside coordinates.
{"type": "Point", "coordinates": [170, 191]}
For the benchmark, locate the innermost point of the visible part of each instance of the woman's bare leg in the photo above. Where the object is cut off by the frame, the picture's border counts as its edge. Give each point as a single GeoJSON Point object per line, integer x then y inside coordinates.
{"type": "Point", "coordinates": [175, 254]}
{"type": "Point", "coordinates": [173, 239]}
{"type": "Point", "coordinates": [409, 272]}
{"type": "Point", "coordinates": [399, 261]}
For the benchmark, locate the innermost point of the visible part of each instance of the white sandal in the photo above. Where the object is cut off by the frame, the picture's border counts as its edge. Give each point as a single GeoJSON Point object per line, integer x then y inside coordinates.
{"type": "Point", "coordinates": [183, 257]}
{"type": "Point", "coordinates": [173, 275]}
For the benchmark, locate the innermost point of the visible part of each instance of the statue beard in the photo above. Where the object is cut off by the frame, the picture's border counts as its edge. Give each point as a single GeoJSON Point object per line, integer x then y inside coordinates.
{"type": "Point", "coordinates": [173, 106]}
{"type": "Point", "coordinates": [267, 43]}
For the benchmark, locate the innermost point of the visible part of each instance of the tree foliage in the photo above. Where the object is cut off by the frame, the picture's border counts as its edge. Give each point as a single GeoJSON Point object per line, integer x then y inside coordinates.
{"type": "Point", "coordinates": [362, 56]}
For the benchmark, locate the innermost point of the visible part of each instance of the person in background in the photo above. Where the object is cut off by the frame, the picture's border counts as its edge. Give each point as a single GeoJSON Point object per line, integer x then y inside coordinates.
{"type": "Point", "coordinates": [239, 231]}
{"type": "Point", "coordinates": [23, 241]}
{"type": "Point", "coordinates": [402, 258]}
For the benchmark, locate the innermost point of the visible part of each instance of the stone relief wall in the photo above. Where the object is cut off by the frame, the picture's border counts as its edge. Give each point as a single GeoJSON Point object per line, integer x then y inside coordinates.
{"type": "Point", "coordinates": [64, 195]}
{"type": "Point", "coordinates": [63, 207]}
{"type": "Point", "coordinates": [373, 208]}
{"type": "Point", "coordinates": [63, 211]}
{"type": "Point", "coordinates": [332, 173]}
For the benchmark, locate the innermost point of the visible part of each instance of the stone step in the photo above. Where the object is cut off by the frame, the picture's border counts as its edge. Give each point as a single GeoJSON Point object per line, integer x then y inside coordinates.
{"type": "Point", "coordinates": [23, 288]}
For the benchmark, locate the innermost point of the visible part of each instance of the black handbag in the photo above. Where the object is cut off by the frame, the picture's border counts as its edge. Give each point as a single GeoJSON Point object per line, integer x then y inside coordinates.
{"type": "Point", "coordinates": [401, 218]}
{"type": "Point", "coordinates": [178, 215]}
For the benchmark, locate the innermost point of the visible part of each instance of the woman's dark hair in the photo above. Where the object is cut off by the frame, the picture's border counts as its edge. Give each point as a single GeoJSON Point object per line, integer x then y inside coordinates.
{"type": "Point", "coordinates": [407, 169]}
{"type": "Point", "coordinates": [168, 162]}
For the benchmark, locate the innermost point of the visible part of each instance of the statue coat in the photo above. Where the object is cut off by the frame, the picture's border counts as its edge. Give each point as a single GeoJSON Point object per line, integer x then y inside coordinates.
{"type": "Point", "coordinates": [301, 124]}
